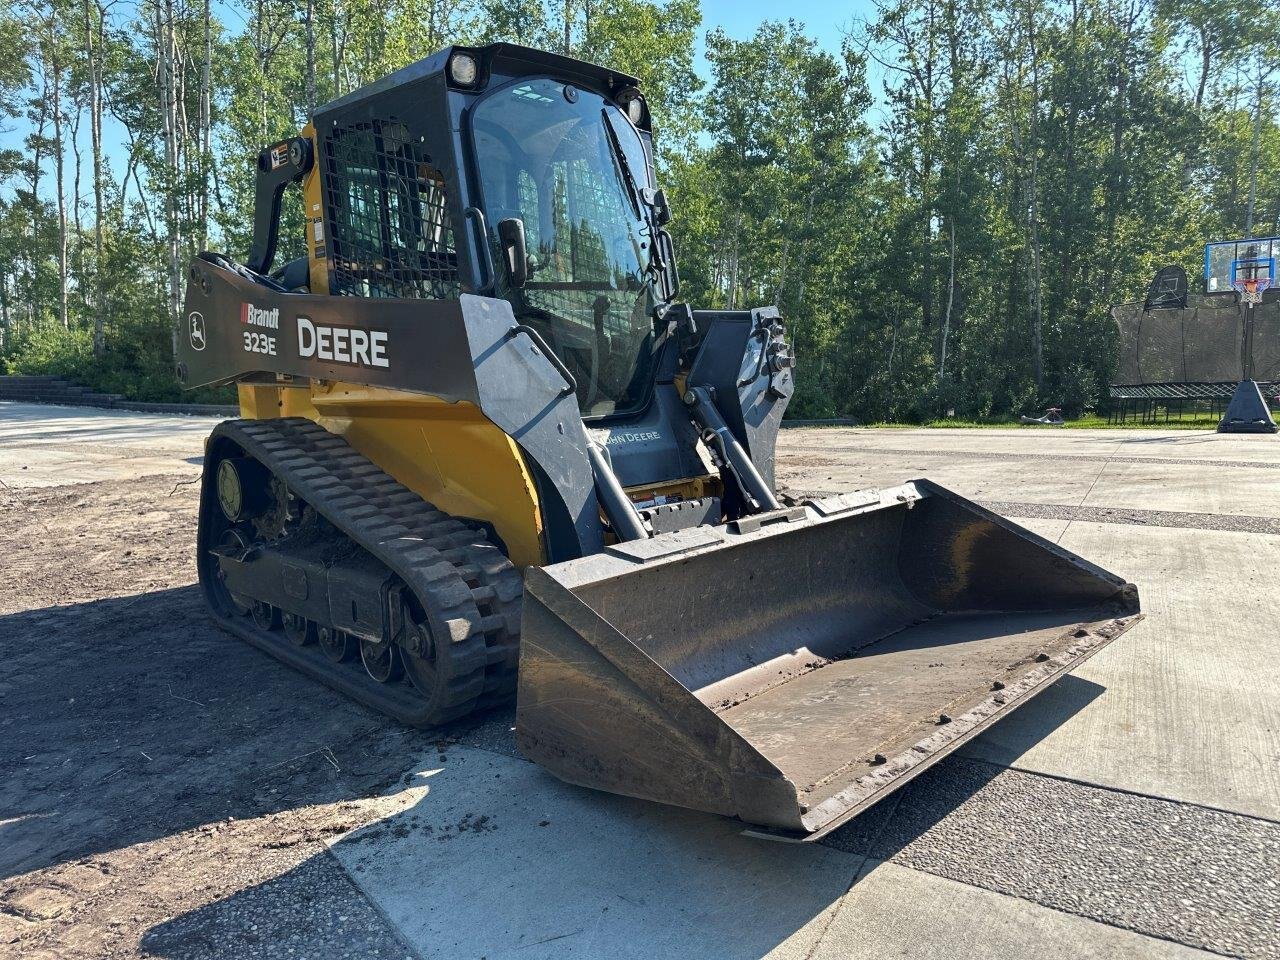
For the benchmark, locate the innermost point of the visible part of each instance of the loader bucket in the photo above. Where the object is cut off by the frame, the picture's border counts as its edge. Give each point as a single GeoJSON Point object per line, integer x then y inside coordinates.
{"type": "Point", "coordinates": [794, 668]}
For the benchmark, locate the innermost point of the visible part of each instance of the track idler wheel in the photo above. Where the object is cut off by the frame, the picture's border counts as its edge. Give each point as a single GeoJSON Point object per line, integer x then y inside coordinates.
{"type": "Point", "coordinates": [338, 645]}
{"type": "Point", "coordinates": [300, 630]}
{"type": "Point", "coordinates": [381, 660]}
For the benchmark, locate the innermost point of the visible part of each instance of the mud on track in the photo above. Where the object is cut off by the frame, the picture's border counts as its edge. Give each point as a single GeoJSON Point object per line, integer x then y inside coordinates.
{"type": "Point", "coordinates": [164, 788]}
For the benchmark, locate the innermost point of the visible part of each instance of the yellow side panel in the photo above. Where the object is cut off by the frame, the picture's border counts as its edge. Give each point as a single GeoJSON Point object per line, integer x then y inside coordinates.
{"type": "Point", "coordinates": [448, 453]}
{"type": "Point", "coordinates": [318, 230]}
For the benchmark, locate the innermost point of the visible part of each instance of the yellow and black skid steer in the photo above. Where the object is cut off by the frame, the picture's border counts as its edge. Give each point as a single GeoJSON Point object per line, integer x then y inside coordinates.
{"type": "Point", "coordinates": [481, 368]}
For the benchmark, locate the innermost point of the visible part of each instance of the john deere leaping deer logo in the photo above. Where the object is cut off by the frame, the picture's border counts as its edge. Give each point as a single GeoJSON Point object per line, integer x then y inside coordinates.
{"type": "Point", "coordinates": [197, 330]}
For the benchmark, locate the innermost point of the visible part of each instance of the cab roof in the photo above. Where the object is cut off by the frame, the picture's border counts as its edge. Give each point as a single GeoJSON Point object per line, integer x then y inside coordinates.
{"type": "Point", "coordinates": [496, 59]}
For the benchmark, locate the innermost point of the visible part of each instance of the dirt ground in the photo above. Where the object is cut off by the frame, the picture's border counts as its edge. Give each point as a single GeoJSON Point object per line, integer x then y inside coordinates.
{"type": "Point", "coordinates": [188, 770]}
{"type": "Point", "coordinates": [168, 791]}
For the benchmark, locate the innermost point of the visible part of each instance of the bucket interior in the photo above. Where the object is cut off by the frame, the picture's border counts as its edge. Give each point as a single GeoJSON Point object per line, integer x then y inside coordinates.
{"type": "Point", "coordinates": [837, 641]}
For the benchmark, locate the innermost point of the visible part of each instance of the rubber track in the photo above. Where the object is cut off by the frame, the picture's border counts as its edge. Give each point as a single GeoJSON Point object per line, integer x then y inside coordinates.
{"type": "Point", "coordinates": [467, 587]}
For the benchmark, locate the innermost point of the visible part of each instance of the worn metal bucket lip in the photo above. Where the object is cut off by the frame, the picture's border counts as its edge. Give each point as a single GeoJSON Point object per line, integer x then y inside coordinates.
{"type": "Point", "coordinates": [803, 824]}
{"type": "Point", "coordinates": [896, 772]}
{"type": "Point", "coordinates": [679, 545]}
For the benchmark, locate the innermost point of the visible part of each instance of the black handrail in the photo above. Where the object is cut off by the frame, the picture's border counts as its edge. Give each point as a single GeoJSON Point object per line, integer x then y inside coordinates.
{"type": "Point", "coordinates": [536, 337]}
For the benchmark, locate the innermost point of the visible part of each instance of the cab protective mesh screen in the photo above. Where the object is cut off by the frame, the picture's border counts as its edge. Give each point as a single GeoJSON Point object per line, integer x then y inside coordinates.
{"type": "Point", "coordinates": [389, 229]}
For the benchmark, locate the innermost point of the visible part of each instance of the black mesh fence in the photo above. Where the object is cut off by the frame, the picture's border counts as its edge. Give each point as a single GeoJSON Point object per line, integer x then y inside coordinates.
{"type": "Point", "coordinates": [1201, 344]}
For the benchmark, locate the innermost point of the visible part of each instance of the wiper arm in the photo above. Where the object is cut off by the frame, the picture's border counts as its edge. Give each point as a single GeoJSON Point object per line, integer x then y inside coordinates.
{"type": "Point", "coordinates": [620, 158]}
{"type": "Point", "coordinates": [638, 204]}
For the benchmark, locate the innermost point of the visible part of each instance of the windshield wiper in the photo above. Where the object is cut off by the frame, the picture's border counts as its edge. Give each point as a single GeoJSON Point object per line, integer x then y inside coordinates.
{"type": "Point", "coordinates": [620, 158]}
{"type": "Point", "coordinates": [638, 205]}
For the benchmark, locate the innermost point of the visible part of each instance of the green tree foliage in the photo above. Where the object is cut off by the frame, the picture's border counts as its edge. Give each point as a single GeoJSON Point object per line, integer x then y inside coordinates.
{"type": "Point", "coordinates": [944, 210]}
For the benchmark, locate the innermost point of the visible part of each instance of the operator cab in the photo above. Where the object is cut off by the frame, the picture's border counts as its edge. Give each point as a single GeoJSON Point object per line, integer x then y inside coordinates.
{"type": "Point", "coordinates": [505, 172]}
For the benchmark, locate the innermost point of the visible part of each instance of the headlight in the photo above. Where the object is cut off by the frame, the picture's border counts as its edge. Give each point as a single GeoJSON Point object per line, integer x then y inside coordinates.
{"type": "Point", "coordinates": [632, 103]}
{"type": "Point", "coordinates": [463, 69]}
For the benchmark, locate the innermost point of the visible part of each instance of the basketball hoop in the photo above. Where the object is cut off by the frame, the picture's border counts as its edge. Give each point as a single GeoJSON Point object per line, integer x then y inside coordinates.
{"type": "Point", "coordinates": [1253, 273]}
{"type": "Point", "coordinates": [1251, 289]}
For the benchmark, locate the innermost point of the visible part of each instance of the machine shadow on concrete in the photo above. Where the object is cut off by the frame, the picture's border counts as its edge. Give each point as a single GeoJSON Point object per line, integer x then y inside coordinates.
{"type": "Point", "coordinates": [484, 855]}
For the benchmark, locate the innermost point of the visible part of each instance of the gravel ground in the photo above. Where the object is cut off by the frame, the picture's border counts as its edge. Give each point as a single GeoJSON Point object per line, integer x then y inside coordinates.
{"type": "Point", "coordinates": [1176, 871]}
{"type": "Point", "coordinates": [326, 916]}
{"type": "Point", "coordinates": [1145, 518]}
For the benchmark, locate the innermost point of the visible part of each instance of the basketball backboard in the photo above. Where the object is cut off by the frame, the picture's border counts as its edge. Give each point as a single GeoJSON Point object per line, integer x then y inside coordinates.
{"type": "Point", "coordinates": [1237, 264]}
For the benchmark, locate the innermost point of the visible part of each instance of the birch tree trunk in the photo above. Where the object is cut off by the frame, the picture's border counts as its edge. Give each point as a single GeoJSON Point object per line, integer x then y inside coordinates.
{"type": "Point", "coordinates": [311, 56]}
{"type": "Point", "coordinates": [335, 47]}
{"type": "Point", "coordinates": [951, 296]}
{"type": "Point", "coordinates": [166, 57]}
{"type": "Point", "coordinates": [94, 18]}
{"type": "Point", "coordinates": [205, 131]}
{"type": "Point", "coordinates": [1254, 151]}
{"type": "Point", "coordinates": [1033, 204]}
{"type": "Point", "coordinates": [53, 64]}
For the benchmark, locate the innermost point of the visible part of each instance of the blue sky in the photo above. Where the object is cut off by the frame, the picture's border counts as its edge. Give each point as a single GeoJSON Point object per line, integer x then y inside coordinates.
{"type": "Point", "coordinates": [826, 22]}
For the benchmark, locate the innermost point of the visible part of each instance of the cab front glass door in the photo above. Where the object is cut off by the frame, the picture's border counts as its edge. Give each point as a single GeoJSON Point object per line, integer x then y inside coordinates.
{"type": "Point", "coordinates": [558, 158]}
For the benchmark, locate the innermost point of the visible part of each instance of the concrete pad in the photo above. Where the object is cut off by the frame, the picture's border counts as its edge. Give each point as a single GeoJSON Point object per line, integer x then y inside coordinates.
{"type": "Point", "coordinates": [490, 856]}
{"type": "Point", "coordinates": [896, 912]}
{"type": "Point", "coordinates": [34, 423]}
{"type": "Point", "coordinates": [1045, 481]}
{"type": "Point", "coordinates": [1049, 529]}
{"type": "Point", "coordinates": [1186, 487]}
{"type": "Point", "coordinates": [29, 468]}
{"type": "Point", "coordinates": [1186, 705]}
{"type": "Point", "coordinates": [42, 446]}
{"type": "Point", "coordinates": [1194, 488]}
{"type": "Point", "coordinates": [1181, 444]}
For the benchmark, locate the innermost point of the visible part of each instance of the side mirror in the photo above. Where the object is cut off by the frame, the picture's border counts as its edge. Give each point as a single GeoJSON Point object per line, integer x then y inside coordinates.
{"type": "Point", "coordinates": [514, 250]}
{"type": "Point", "coordinates": [661, 209]}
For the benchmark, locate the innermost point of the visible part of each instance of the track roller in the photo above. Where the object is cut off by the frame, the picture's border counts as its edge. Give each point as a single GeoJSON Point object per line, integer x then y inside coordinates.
{"type": "Point", "coordinates": [299, 629]}
{"type": "Point", "coordinates": [338, 645]}
{"type": "Point", "coordinates": [381, 660]}
{"type": "Point", "coordinates": [265, 615]}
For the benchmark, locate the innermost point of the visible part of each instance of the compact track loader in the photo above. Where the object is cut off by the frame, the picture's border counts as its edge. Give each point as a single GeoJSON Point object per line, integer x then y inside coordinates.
{"type": "Point", "coordinates": [480, 368]}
